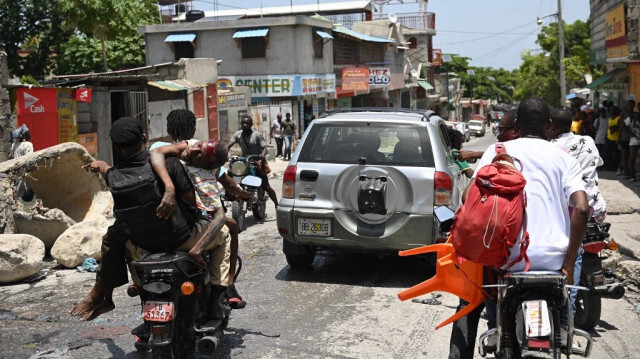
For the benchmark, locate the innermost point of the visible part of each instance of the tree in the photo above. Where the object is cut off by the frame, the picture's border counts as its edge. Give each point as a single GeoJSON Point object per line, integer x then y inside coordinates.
{"type": "Point", "coordinates": [31, 35]}
{"type": "Point", "coordinates": [108, 20]}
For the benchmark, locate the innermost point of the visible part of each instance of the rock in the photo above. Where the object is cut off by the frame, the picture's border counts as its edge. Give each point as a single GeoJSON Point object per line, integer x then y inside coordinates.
{"type": "Point", "coordinates": [20, 256]}
{"type": "Point", "coordinates": [47, 225]}
{"type": "Point", "coordinates": [629, 270]}
{"type": "Point", "coordinates": [80, 241]}
{"type": "Point", "coordinates": [612, 259]}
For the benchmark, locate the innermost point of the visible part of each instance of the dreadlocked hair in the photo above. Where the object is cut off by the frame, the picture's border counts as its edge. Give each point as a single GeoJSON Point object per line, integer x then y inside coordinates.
{"type": "Point", "coordinates": [181, 124]}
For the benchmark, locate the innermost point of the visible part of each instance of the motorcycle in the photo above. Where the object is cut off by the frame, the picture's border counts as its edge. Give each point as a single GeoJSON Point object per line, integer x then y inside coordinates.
{"type": "Point", "coordinates": [494, 128]}
{"type": "Point", "coordinates": [601, 283]}
{"type": "Point", "coordinates": [246, 168]}
{"type": "Point", "coordinates": [529, 306]}
{"type": "Point", "coordinates": [174, 291]}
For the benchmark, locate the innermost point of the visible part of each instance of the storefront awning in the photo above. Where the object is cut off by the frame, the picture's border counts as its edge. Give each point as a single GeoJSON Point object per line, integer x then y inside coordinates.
{"type": "Point", "coordinates": [604, 78]}
{"type": "Point", "coordinates": [176, 85]}
{"type": "Point", "coordinates": [323, 34]}
{"type": "Point", "coordinates": [184, 37]}
{"type": "Point", "coordinates": [425, 85]}
{"type": "Point", "coordinates": [241, 34]}
{"type": "Point", "coordinates": [363, 37]}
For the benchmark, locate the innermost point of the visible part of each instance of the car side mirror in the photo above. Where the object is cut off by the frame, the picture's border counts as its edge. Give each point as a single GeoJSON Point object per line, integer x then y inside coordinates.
{"type": "Point", "coordinates": [445, 216]}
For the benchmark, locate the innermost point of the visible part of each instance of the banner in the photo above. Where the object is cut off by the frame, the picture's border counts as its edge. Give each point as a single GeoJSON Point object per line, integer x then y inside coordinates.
{"type": "Point", "coordinates": [379, 77]}
{"type": "Point", "coordinates": [615, 33]}
{"type": "Point", "coordinates": [437, 57]}
{"type": "Point", "coordinates": [282, 85]}
{"type": "Point", "coordinates": [83, 95]}
{"type": "Point", "coordinates": [67, 115]}
{"type": "Point", "coordinates": [37, 108]}
{"type": "Point", "coordinates": [355, 79]}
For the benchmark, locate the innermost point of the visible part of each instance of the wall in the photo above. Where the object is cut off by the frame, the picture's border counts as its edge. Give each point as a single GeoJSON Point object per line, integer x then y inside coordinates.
{"type": "Point", "coordinates": [5, 110]}
{"type": "Point", "coordinates": [101, 113]}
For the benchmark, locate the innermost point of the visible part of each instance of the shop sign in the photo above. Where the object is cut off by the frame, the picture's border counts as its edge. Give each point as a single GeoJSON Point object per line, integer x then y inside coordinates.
{"type": "Point", "coordinates": [83, 95]}
{"type": "Point", "coordinates": [618, 83]}
{"type": "Point", "coordinates": [262, 85]}
{"type": "Point", "coordinates": [232, 100]}
{"type": "Point", "coordinates": [355, 79]}
{"type": "Point", "coordinates": [67, 112]}
{"type": "Point", "coordinates": [598, 56]}
{"type": "Point", "coordinates": [437, 57]}
{"type": "Point", "coordinates": [90, 142]}
{"type": "Point", "coordinates": [379, 77]}
{"type": "Point", "coordinates": [314, 84]}
{"type": "Point", "coordinates": [615, 33]}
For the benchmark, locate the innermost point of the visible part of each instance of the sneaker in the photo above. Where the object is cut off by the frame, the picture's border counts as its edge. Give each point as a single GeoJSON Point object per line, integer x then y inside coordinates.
{"type": "Point", "coordinates": [235, 300]}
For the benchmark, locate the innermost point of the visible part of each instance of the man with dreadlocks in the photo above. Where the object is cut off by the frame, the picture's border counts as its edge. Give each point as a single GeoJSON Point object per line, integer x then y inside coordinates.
{"type": "Point", "coordinates": [181, 126]}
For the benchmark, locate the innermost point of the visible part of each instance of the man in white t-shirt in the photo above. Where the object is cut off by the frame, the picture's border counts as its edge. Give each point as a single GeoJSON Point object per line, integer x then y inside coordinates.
{"type": "Point", "coordinates": [554, 182]}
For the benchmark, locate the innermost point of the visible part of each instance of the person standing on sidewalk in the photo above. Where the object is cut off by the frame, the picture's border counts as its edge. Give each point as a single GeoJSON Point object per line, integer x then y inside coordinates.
{"type": "Point", "coordinates": [289, 132]}
{"type": "Point", "coordinates": [600, 125]}
{"type": "Point", "coordinates": [276, 134]}
{"type": "Point", "coordinates": [633, 123]}
{"type": "Point", "coordinates": [611, 152]}
{"type": "Point", "coordinates": [625, 138]}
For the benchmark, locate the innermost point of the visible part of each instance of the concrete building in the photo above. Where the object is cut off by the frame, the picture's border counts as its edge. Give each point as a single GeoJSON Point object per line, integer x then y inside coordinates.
{"type": "Point", "coordinates": [287, 62]}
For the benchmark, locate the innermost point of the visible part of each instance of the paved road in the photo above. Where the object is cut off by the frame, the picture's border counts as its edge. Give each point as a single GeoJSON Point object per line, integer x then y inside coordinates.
{"type": "Point", "coordinates": [345, 307]}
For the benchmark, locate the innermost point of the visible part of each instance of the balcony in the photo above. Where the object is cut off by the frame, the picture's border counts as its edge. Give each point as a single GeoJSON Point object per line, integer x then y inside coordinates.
{"type": "Point", "coordinates": [425, 21]}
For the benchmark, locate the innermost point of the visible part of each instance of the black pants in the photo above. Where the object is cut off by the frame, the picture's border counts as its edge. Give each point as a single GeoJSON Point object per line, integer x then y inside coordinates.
{"type": "Point", "coordinates": [112, 271]}
{"type": "Point", "coordinates": [463, 333]}
{"type": "Point", "coordinates": [279, 142]}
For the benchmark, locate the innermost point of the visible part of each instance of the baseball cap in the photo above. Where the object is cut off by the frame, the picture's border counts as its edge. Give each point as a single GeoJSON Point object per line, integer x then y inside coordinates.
{"type": "Point", "coordinates": [126, 132]}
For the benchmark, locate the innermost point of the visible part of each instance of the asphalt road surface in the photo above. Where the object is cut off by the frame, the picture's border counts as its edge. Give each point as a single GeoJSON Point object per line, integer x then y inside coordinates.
{"type": "Point", "coordinates": [344, 307]}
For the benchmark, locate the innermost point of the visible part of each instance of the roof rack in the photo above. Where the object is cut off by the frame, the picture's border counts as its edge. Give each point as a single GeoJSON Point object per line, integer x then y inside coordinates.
{"type": "Point", "coordinates": [370, 109]}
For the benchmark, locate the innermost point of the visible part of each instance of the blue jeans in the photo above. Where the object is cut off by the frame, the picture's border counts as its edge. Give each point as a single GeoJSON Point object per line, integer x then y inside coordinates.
{"type": "Point", "coordinates": [573, 293]}
{"type": "Point", "coordinates": [288, 140]}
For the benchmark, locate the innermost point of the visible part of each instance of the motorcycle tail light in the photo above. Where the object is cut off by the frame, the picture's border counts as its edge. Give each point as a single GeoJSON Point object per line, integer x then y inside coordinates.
{"type": "Point", "coordinates": [159, 329]}
{"type": "Point", "coordinates": [539, 344]}
{"type": "Point", "coordinates": [187, 288]}
{"type": "Point", "coordinates": [442, 189]}
{"type": "Point", "coordinates": [612, 245]}
{"type": "Point", "coordinates": [289, 182]}
{"type": "Point", "coordinates": [595, 247]}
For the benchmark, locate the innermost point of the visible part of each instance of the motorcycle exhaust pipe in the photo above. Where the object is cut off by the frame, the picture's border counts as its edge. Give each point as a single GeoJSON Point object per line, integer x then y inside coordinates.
{"type": "Point", "coordinates": [208, 344]}
{"type": "Point", "coordinates": [613, 292]}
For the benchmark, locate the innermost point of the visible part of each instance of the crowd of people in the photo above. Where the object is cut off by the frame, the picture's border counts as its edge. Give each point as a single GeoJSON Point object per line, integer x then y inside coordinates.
{"type": "Point", "coordinates": [616, 133]}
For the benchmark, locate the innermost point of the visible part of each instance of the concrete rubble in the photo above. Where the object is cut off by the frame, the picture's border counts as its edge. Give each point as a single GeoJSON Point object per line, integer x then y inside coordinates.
{"type": "Point", "coordinates": [71, 206]}
{"type": "Point", "coordinates": [20, 256]}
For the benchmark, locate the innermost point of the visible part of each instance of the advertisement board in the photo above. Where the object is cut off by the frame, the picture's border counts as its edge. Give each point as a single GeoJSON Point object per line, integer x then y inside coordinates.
{"type": "Point", "coordinates": [615, 33]}
{"type": "Point", "coordinates": [90, 142]}
{"type": "Point", "coordinates": [67, 116]}
{"type": "Point", "coordinates": [282, 85]}
{"type": "Point", "coordinates": [437, 57]}
{"type": "Point", "coordinates": [38, 109]}
{"type": "Point", "coordinates": [379, 77]}
{"type": "Point", "coordinates": [355, 79]}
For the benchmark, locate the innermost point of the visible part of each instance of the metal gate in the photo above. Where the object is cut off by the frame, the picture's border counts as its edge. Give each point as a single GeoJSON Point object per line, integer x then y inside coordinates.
{"type": "Point", "coordinates": [139, 107]}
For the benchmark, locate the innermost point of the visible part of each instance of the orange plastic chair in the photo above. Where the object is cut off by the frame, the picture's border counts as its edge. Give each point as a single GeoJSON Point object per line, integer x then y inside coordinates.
{"type": "Point", "coordinates": [463, 280]}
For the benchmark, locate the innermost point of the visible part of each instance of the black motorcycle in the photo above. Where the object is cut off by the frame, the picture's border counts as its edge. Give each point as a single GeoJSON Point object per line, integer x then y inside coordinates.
{"type": "Point", "coordinates": [529, 306]}
{"type": "Point", "coordinates": [175, 295]}
{"type": "Point", "coordinates": [601, 283]}
{"type": "Point", "coordinates": [246, 170]}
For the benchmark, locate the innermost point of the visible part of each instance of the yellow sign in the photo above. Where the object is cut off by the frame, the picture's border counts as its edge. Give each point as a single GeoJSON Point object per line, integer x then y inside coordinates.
{"type": "Point", "coordinates": [90, 142]}
{"type": "Point", "coordinates": [615, 33]}
{"type": "Point", "coordinates": [67, 116]}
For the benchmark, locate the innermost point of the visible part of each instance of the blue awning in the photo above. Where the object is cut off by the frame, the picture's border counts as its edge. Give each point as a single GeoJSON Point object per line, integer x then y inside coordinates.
{"type": "Point", "coordinates": [323, 34]}
{"type": "Point", "coordinates": [184, 37]}
{"type": "Point", "coordinates": [241, 34]}
{"type": "Point", "coordinates": [357, 35]}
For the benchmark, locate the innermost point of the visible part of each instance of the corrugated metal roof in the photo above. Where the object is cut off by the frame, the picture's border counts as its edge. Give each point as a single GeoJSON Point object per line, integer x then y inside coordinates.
{"type": "Point", "coordinates": [241, 34]}
{"type": "Point", "coordinates": [357, 35]}
{"type": "Point", "coordinates": [176, 85]}
{"type": "Point", "coordinates": [324, 35]}
{"type": "Point", "coordinates": [184, 37]}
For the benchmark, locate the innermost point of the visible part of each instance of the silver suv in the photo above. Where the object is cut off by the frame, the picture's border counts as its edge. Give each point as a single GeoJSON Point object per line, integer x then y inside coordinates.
{"type": "Point", "coordinates": [367, 179]}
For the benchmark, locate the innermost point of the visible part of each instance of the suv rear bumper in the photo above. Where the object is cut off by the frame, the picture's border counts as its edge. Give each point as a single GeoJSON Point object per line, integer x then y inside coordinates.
{"type": "Point", "coordinates": [415, 231]}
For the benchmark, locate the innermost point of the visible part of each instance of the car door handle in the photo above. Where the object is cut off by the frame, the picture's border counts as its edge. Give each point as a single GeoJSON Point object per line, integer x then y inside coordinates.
{"type": "Point", "coordinates": [308, 175]}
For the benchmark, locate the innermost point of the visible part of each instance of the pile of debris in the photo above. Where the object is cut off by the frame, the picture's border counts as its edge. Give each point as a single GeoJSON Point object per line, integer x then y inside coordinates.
{"type": "Point", "coordinates": [68, 216]}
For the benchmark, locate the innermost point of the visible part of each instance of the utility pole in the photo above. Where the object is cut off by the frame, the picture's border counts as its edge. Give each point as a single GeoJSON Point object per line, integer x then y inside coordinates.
{"type": "Point", "coordinates": [563, 85]}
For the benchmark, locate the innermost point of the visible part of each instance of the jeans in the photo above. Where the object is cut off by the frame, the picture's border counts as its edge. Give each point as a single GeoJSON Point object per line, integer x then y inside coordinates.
{"type": "Point", "coordinates": [573, 293]}
{"type": "Point", "coordinates": [279, 146]}
{"type": "Point", "coordinates": [288, 140]}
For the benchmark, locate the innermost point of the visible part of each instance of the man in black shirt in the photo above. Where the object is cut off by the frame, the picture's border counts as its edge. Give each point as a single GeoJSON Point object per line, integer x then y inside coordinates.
{"type": "Point", "coordinates": [187, 231]}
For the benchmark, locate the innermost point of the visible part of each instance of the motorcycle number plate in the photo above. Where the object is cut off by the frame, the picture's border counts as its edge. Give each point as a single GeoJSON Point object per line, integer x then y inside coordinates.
{"type": "Point", "coordinates": [314, 227]}
{"type": "Point", "coordinates": [536, 318]}
{"type": "Point", "coordinates": [157, 311]}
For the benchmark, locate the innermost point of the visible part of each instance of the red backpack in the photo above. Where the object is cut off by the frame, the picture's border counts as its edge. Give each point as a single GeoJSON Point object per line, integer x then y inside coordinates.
{"type": "Point", "coordinates": [487, 225]}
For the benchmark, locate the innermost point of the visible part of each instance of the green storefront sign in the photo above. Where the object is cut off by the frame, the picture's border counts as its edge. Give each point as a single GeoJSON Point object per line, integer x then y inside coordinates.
{"type": "Point", "coordinates": [598, 56]}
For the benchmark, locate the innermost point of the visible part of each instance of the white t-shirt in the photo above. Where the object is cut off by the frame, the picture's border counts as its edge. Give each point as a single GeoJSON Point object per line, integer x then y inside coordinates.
{"type": "Point", "coordinates": [19, 149]}
{"type": "Point", "coordinates": [634, 141]}
{"type": "Point", "coordinates": [583, 149]}
{"type": "Point", "coordinates": [552, 177]}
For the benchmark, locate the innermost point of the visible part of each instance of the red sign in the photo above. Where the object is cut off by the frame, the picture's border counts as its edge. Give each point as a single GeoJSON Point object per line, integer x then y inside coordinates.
{"type": "Point", "coordinates": [355, 79]}
{"type": "Point", "coordinates": [38, 109]}
{"type": "Point", "coordinates": [83, 95]}
{"type": "Point", "coordinates": [437, 57]}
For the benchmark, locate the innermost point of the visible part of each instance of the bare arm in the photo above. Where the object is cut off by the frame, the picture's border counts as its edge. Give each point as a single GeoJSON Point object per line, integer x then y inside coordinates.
{"type": "Point", "coordinates": [469, 155]}
{"type": "Point", "coordinates": [160, 167]}
{"type": "Point", "coordinates": [579, 219]}
{"type": "Point", "coordinates": [231, 186]}
{"type": "Point", "coordinates": [98, 166]}
{"type": "Point", "coordinates": [209, 235]}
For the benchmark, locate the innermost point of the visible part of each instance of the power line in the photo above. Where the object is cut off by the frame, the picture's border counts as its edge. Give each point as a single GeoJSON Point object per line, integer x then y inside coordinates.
{"type": "Point", "coordinates": [506, 46]}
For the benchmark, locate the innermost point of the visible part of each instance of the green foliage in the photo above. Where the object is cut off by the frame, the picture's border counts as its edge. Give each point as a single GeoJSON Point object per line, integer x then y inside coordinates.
{"type": "Point", "coordinates": [29, 80]}
{"type": "Point", "coordinates": [84, 54]}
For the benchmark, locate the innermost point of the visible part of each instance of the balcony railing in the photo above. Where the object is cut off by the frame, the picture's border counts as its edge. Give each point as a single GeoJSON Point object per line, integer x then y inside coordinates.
{"type": "Point", "coordinates": [426, 21]}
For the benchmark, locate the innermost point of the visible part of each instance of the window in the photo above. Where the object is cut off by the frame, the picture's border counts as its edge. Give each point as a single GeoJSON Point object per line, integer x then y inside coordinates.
{"type": "Point", "coordinates": [183, 50]}
{"type": "Point", "coordinates": [318, 45]}
{"type": "Point", "coordinates": [253, 47]}
{"type": "Point", "coordinates": [413, 43]}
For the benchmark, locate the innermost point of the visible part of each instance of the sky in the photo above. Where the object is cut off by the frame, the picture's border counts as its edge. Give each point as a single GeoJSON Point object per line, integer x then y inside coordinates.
{"type": "Point", "coordinates": [493, 33]}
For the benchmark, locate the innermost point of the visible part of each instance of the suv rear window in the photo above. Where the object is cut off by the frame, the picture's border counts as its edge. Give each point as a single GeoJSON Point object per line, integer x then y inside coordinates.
{"type": "Point", "coordinates": [475, 123]}
{"type": "Point", "coordinates": [380, 143]}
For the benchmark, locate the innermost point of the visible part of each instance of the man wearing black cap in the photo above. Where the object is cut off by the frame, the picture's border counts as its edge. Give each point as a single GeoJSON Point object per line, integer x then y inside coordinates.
{"type": "Point", "coordinates": [145, 224]}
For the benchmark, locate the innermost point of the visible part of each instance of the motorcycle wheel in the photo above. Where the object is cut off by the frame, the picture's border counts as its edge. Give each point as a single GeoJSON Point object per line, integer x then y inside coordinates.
{"type": "Point", "coordinates": [259, 208]}
{"type": "Point", "coordinates": [588, 310]}
{"type": "Point", "coordinates": [237, 213]}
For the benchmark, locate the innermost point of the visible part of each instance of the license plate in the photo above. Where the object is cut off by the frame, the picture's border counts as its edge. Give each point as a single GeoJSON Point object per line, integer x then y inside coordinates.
{"type": "Point", "coordinates": [536, 318]}
{"type": "Point", "coordinates": [314, 227]}
{"type": "Point", "coordinates": [157, 311]}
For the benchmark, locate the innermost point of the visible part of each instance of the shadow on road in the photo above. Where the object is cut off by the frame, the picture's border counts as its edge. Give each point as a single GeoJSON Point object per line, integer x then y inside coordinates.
{"type": "Point", "coordinates": [634, 186]}
{"type": "Point", "coordinates": [365, 270]}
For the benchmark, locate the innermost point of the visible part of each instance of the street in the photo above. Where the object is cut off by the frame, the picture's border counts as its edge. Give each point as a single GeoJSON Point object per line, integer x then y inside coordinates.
{"type": "Point", "coordinates": [344, 307]}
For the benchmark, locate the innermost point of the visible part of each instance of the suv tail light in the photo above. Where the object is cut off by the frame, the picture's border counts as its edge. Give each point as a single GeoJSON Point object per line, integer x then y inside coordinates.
{"type": "Point", "coordinates": [442, 189]}
{"type": "Point", "coordinates": [289, 182]}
